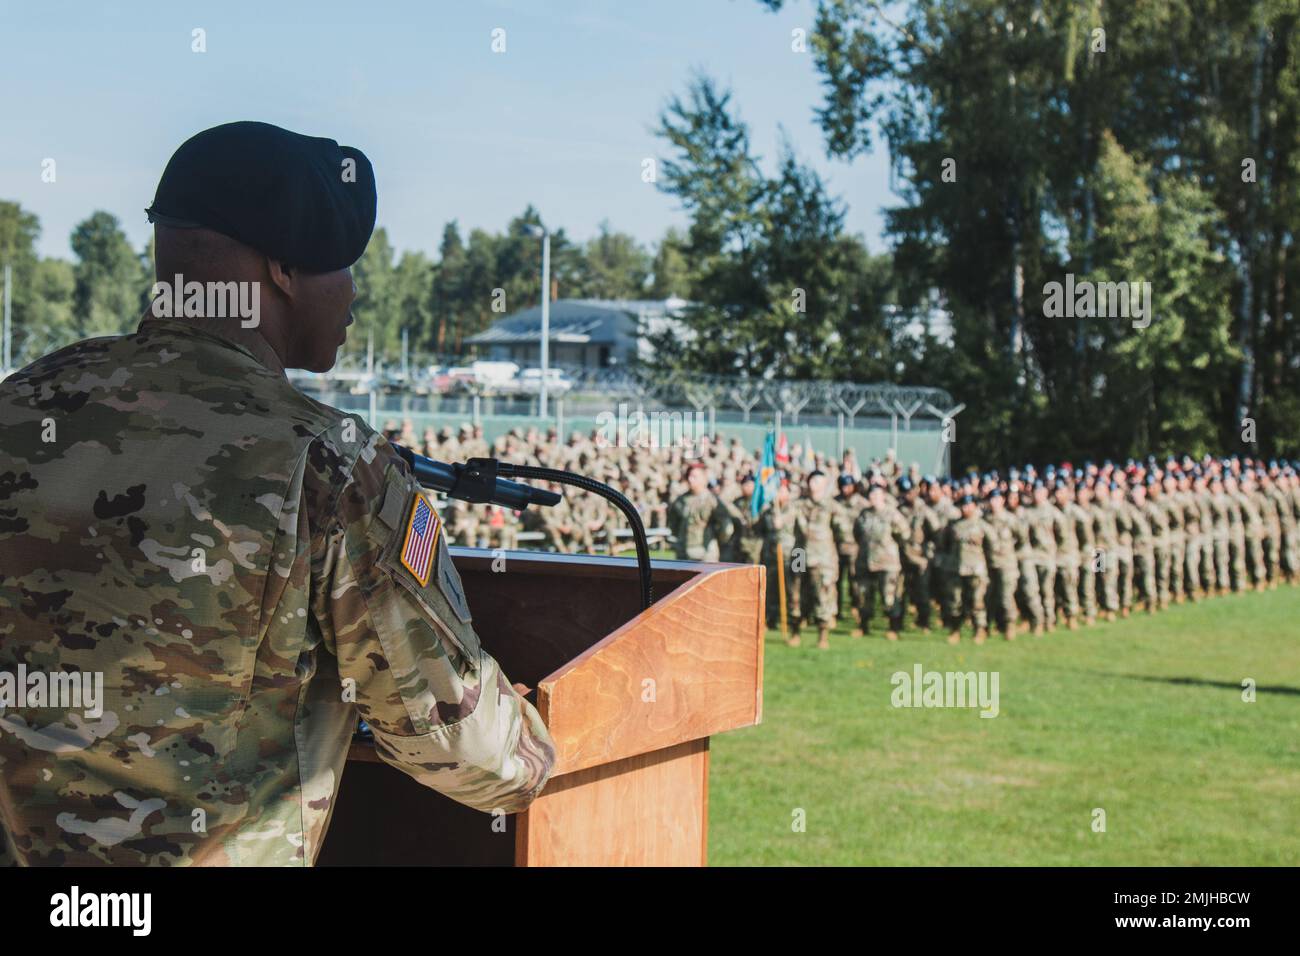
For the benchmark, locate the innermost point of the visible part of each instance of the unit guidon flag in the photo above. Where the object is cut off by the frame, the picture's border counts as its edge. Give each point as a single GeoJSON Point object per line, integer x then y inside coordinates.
{"type": "Point", "coordinates": [422, 530]}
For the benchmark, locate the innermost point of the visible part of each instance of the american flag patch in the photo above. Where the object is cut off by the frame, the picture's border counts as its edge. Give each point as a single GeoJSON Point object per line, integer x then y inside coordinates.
{"type": "Point", "coordinates": [422, 532]}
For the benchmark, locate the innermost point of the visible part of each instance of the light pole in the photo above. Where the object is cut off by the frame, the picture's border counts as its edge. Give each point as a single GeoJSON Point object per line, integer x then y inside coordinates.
{"type": "Point", "coordinates": [546, 312]}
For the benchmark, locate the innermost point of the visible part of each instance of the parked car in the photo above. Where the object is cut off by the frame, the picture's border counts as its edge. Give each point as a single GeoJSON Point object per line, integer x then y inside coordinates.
{"type": "Point", "coordinates": [529, 382]}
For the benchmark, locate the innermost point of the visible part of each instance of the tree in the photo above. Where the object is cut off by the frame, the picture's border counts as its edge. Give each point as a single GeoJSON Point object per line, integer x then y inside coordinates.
{"type": "Point", "coordinates": [111, 281]}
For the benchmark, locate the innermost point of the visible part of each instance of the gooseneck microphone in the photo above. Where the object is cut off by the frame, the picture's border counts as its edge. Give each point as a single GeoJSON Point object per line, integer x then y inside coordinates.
{"type": "Point", "coordinates": [480, 480]}
{"type": "Point", "coordinates": [475, 480]}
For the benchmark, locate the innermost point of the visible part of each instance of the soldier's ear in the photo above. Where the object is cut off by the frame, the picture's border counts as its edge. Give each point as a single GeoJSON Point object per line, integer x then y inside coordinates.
{"type": "Point", "coordinates": [283, 276]}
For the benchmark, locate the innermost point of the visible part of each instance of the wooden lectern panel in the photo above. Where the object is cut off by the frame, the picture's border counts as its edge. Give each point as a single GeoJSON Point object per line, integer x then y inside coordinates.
{"type": "Point", "coordinates": [647, 810]}
{"type": "Point", "coordinates": [686, 668]}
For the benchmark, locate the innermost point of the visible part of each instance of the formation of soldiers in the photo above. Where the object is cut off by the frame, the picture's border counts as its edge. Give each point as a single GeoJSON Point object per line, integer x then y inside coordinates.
{"type": "Point", "coordinates": [1027, 550]}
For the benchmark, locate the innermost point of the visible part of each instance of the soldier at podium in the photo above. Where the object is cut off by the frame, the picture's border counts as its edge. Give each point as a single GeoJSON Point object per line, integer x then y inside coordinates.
{"type": "Point", "coordinates": [247, 569]}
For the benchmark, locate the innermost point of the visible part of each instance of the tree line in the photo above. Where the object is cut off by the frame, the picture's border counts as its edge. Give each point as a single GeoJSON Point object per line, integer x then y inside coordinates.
{"type": "Point", "coordinates": [1151, 142]}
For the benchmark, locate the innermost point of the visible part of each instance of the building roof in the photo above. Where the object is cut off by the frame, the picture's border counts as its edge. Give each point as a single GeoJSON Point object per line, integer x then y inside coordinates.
{"type": "Point", "coordinates": [579, 321]}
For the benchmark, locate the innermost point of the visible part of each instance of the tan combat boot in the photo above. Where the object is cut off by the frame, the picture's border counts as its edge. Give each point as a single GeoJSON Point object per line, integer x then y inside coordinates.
{"type": "Point", "coordinates": [824, 638]}
{"type": "Point", "coordinates": [793, 640]}
{"type": "Point", "coordinates": [980, 635]}
{"type": "Point", "coordinates": [891, 635]}
{"type": "Point", "coordinates": [1009, 632]}
{"type": "Point", "coordinates": [954, 637]}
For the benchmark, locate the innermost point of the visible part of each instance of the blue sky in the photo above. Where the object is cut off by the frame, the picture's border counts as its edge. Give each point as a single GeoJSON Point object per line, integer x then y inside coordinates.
{"type": "Point", "coordinates": [562, 119]}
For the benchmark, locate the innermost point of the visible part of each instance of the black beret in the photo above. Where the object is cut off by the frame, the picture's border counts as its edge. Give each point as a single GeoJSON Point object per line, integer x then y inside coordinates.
{"type": "Point", "coordinates": [295, 198]}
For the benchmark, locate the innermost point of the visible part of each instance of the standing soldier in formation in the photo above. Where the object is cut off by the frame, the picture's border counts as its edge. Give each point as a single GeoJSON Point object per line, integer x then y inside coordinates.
{"type": "Point", "coordinates": [820, 525]}
{"type": "Point", "coordinates": [848, 498]}
{"type": "Point", "coordinates": [1067, 556]}
{"type": "Point", "coordinates": [1221, 534]}
{"type": "Point", "coordinates": [916, 564]}
{"type": "Point", "coordinates": [1079, 511]}
{"type": "Point", "coordinates": [747, 540]}
{"type": "Point", "coordinates": [939, 513]}
{"type": "Point", "coordinates": [1105, 528]}
{"type": "Point", "coordinates": [965, 542]}
{"type": "Point", "coordinates": [698, 520]}
{"type": "Point", "coordinates": [878, 532]}
{"type": "Point", "coordinates": [1158, 518]}
{"type": "Point", "coordinates": [1140, 513]}
{"type": "Point", "coordinates": [1175, 516]}
{"type": "Point", "coordinates": [776, 524]}
{"type": "Point", "coordinates": [1252, 529]}
{"type": "Point", "coordinates": [1006, 534]}
{"type": "Point", "coordinates": [1044, 520]}
{"type": "Point", "coordinates": [1193, 536]}
{"type": "Point", "coordinates": [1031, 602]}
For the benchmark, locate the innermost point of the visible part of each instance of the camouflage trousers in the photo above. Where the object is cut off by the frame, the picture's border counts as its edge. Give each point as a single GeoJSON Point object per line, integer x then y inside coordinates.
{"type": "Point", "coordinates": [1237, 559]}
{"type": "Point", "coordinates": [1107, 576]}
{"type": "Point", "coordinates": [1177, 567]}
{"type": "Point", "coordinates": [964, 598]}
{"type": "Point", "coordinates": [817, 586]}
{"type": "Point", "coordinates": [885, 586]}
{"type": "Point", "coordinates": [848, 581]}
{"type": "Point", "coordinates": [1145, 586]}
{"type": "Point", "coordinates": [1002, 594]}
{"type": "Point", "coordinates": [1270, 557]}
{"type": "Point", "coordinates": [1160, 557]}
{"type": "Point", "coordinates": [1030, 600]}
{"type": "Point", "coordinates": [1067, 585]}
{"type": "Point", "coordinates": [1088, 591]}
{"type": "Point", "coordinates": [1047, 588]}
{"type": "Point", "coordinates": [1124, 572]}
{"type": "Point", "coordinates": [1255, 559]}
{"type": "Point", "coordinates": [1290, 552]}
{"type": "Point", "coordinates": [1192, 565]}
{"type": "Point", "coordinates": [916, 582]}
{"type": "Point", "coordinates": [1223, 563]}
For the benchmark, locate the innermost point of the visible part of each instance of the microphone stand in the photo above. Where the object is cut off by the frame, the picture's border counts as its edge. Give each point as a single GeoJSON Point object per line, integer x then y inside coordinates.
{"type": "Point", "coordinates": [485, 481]}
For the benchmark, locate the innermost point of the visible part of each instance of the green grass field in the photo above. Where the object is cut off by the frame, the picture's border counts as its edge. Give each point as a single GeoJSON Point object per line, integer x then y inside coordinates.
{"type": "Point", "coordinates": [1143, 718]}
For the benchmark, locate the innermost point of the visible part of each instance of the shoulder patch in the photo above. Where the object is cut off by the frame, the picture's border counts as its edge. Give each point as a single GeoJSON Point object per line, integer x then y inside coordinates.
{"type": "Point", "coordinates": [450, 585]}
{"type": "Point", "coordinates": [422, 537]}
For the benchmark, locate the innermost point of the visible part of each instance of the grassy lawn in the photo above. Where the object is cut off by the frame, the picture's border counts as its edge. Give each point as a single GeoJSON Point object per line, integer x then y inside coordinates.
{"type": "Point", "coordinates": [1143, 718]}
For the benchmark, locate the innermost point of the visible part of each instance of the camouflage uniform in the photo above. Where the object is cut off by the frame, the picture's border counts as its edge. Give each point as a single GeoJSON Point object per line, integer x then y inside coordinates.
{"type": "Point", "coordinates": [849, 581]}
{"type": "Point", "coordinates": [776, 524]}
{"type": "Point", "coordinates": [747, 539]}
{"type": "Point", "coordinates": [1005, 535]}
{"type": "Point", "coordinates": [1144, 535]}
{"type": "Point", "coordinates": [1194, 542]}
{"type": "Point", "coordinates": [1157, 518]}
{"type": "Point", "coordinates": [1252, 529]}
{"type": "Point", "coordinates": [916, 563]}
{"type": "Point", "coordinates": [227, 554]}
{"type": "Point", "coordinates": [1105, 559]}
{"type": "Point", "coordinates": [937, 518]}
{"type": "Point", "coordinates": [1221, 509]}
{"type": "Point", "coordinates": [965, 542]}
{"type": "Point", "coordinates": [1067, 562]}
{"type": "Point", "coordinates": [819, 527]}
{"type": "Point", "coordinates": [1043, 522]}
{"type": "Point", "coordinates": [879, 563]}
{"type": "Point", "coordinates": [1176, 539]}
{"type": "Point", "coordinates": [1080, 519]}
{"type": "Point", "coordinates": [701, 525]}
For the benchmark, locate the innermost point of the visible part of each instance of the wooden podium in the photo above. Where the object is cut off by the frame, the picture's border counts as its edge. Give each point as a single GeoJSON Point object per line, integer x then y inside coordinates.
{"type": "Point", "coordinates": [631, 699]}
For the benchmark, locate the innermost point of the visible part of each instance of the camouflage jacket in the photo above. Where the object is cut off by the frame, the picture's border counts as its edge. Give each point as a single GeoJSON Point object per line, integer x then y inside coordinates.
{"type": "Point", "coordinates": [232, 558]}
{"type": "Point", "coordinates": [702, 526]}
